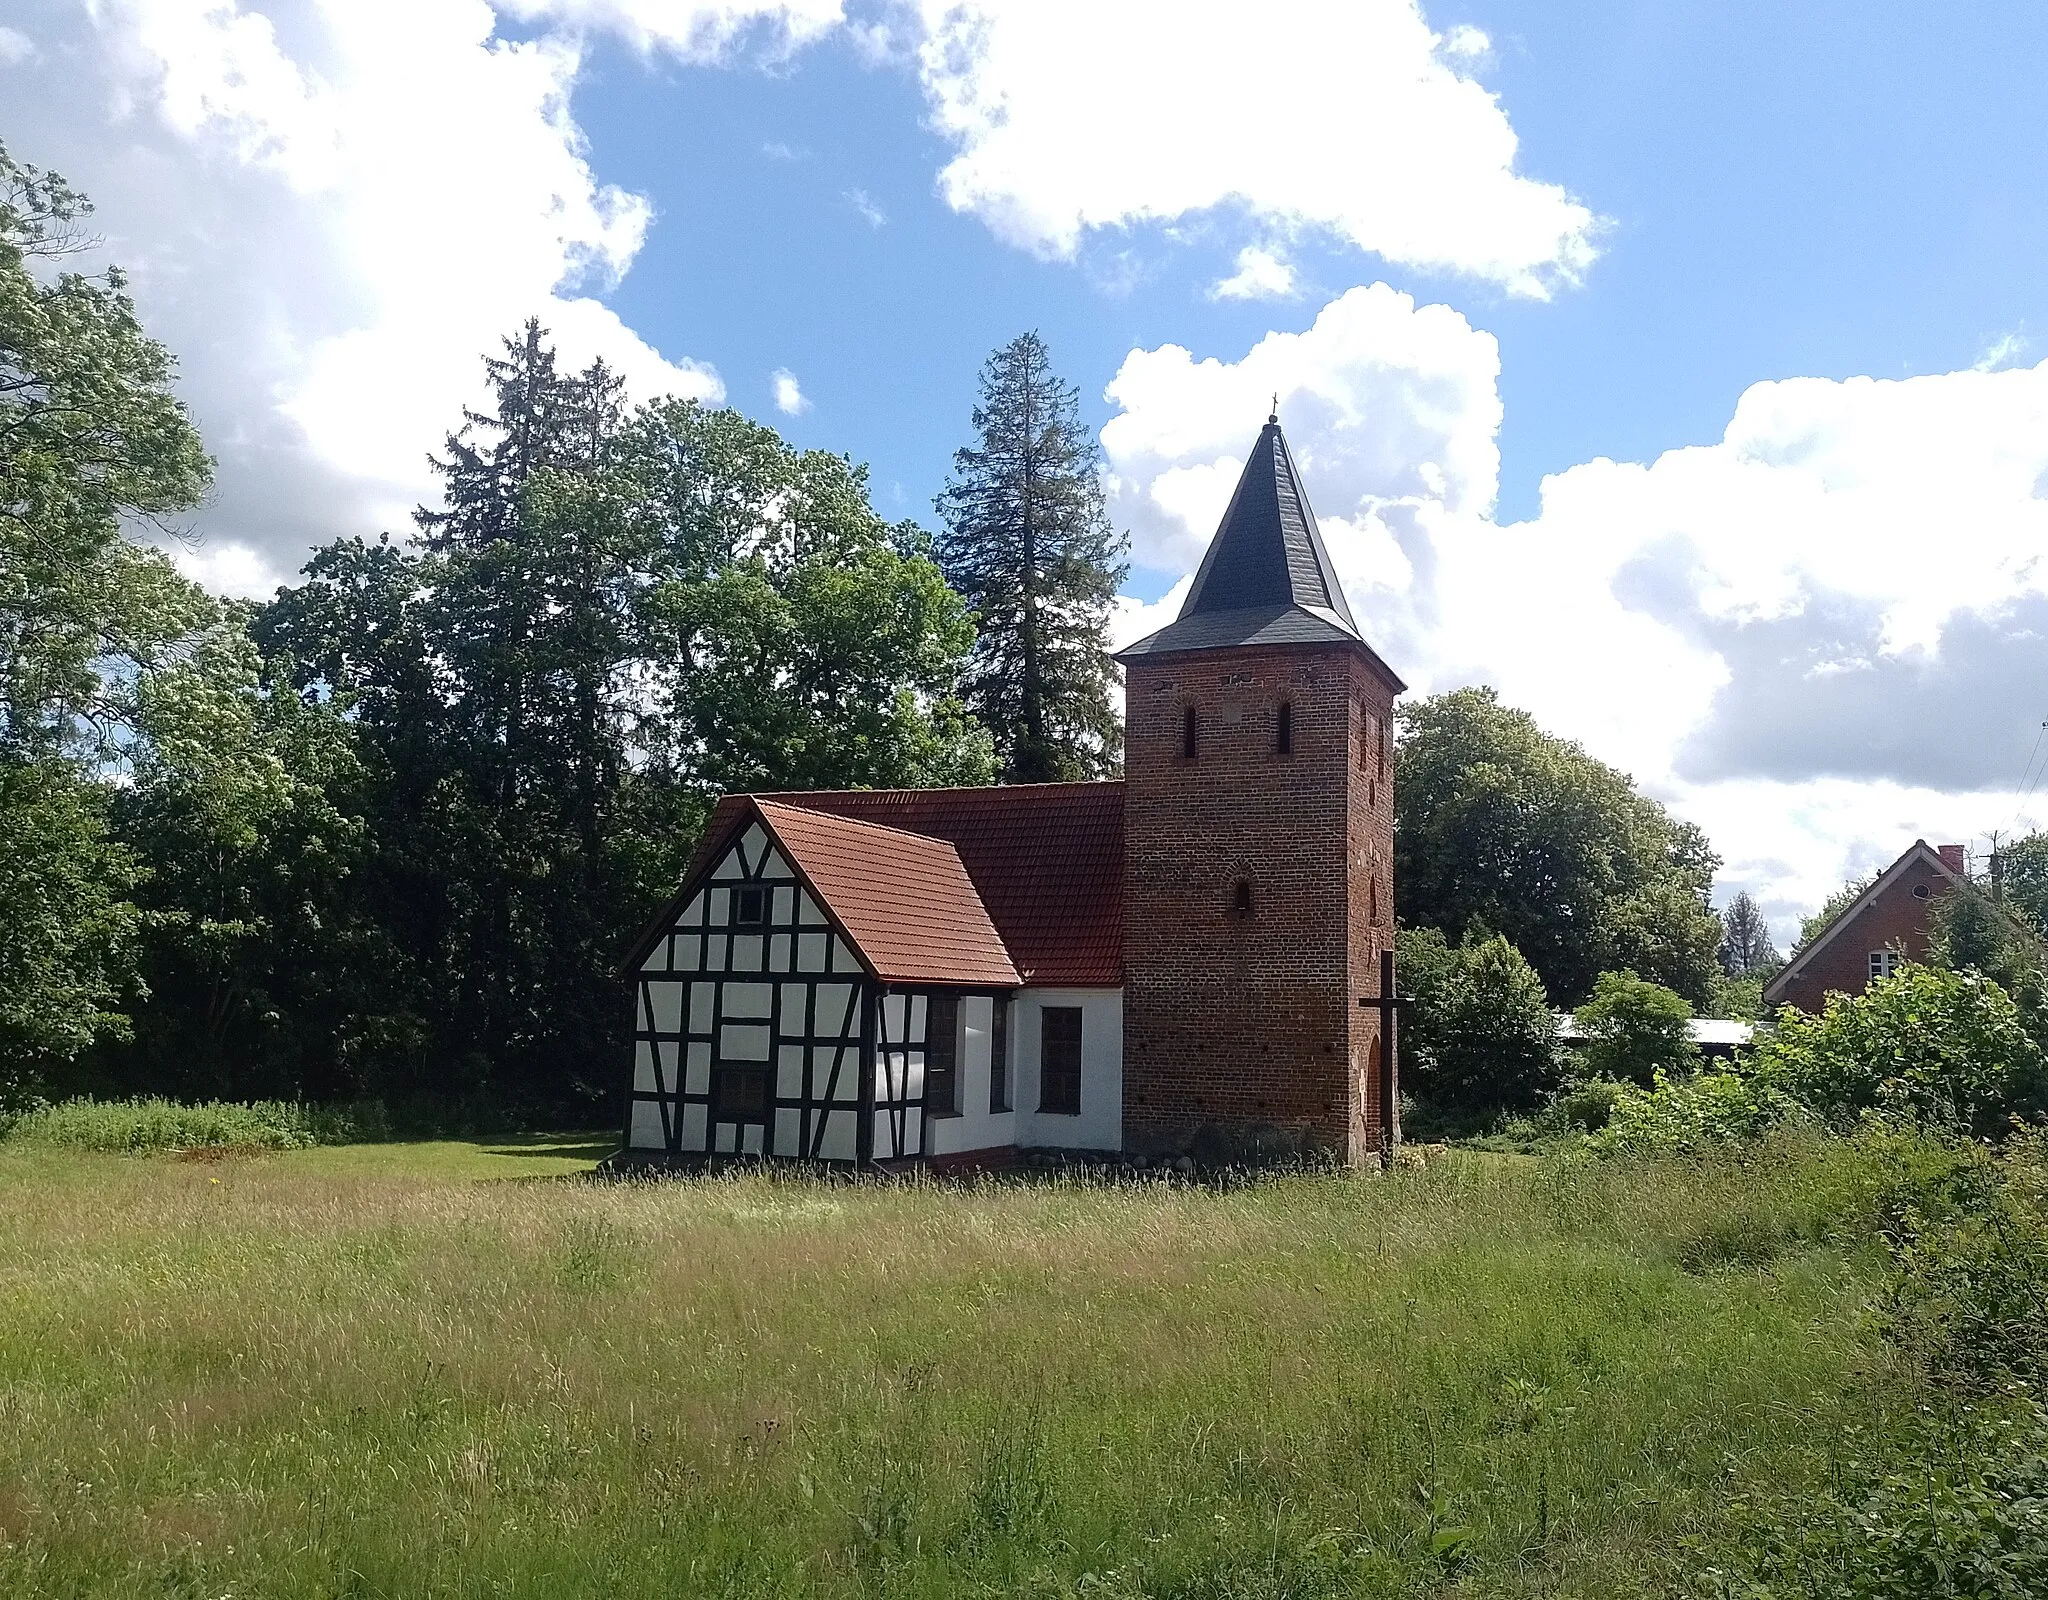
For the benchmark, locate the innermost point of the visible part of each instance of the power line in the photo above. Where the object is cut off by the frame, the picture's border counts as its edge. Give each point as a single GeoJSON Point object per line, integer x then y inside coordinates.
{"type": "Point", "coordinates": [2029, 778]}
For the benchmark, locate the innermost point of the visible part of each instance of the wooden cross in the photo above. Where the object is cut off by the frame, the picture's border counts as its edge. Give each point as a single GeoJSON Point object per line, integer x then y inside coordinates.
{"type": "Point", "coordinates": [1390, 1006]}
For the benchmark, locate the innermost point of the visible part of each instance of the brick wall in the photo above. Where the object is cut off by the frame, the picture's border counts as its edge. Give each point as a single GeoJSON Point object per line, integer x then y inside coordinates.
{"type": "Point", "coordinates": [1234, 1019]}
{"type": "Point", "coordinates": [1896, 919]}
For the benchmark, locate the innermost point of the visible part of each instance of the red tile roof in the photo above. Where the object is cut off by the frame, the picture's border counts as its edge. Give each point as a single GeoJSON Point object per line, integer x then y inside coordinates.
{"type": "Point", "coordinates": [1046, 858]}
{"type": "Point", "coordinates": [904, 899]}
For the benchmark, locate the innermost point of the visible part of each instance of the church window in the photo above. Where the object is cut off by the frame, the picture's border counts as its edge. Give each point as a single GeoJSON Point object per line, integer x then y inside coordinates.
{"type": "Point", "coordinates": [1368, 737]}
{"type": "Point", "coordinates": [1283, 729]}
{"type": "Point", "coordinates": [749, 906]}
{"type": "Point", "coordinates": [999, 1056]}
{"type": "Point", "coordinates": [1372, 900]}
{"type": "Point", "coordinates": [1386, 744]}
{"type": "Point", "coordinates": [1190, 732]}
{"type": "Point", "coordinates": [1241, 898]}
{"type": "Point", "coordinates": [1059, 1060]}
{"type": "Point", "coordinates": [942, 1057]}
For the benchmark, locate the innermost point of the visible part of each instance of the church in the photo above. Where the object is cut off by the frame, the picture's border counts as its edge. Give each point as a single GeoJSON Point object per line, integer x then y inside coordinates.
{"type": "Point", "coordinates": [1171, 963]}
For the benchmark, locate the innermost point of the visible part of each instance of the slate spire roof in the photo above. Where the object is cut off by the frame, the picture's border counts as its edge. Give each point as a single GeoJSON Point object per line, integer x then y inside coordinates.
{"type": "Point", "coordinates": [1267, 578]}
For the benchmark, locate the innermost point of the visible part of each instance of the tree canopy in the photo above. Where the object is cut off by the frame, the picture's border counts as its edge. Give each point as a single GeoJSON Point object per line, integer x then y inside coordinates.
{"type": "Point", "coordinates": [1503, 828]}
{"type": "Point", "coordinates": [90, 435]}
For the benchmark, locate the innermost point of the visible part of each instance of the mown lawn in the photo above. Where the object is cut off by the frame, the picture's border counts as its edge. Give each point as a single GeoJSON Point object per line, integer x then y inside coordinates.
{"type": "Point", "coordinates": [358, 1372]}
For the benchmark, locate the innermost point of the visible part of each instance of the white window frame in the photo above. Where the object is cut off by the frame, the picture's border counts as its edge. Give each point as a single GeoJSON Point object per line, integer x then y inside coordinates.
{"type": "Point", "coordinates": [1883, 963]}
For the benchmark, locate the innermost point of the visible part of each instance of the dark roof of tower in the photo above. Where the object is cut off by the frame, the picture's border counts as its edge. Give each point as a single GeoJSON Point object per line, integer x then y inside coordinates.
{"type": "Point", "coordinates": [1266, 578]}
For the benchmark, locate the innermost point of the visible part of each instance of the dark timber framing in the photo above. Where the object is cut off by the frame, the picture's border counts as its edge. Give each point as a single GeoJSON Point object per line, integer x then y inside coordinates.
{"type": "Point", "coordinates": [789, 996]}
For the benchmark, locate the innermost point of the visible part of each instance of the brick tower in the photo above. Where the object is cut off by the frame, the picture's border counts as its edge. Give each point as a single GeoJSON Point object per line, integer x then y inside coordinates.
{"type": "Point", "coordinates": [1259, 835]}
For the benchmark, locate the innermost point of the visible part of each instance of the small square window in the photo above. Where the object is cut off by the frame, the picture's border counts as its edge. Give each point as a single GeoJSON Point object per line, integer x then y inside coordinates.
{"type": "Point", "coordinates": [1883, 963]}
{"type": "Point", "coordinates": [749, 906]}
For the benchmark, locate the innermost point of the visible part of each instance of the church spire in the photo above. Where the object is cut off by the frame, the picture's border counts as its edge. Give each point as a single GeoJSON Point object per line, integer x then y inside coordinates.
{"type": "Point", "coordinates": [1266, 578]}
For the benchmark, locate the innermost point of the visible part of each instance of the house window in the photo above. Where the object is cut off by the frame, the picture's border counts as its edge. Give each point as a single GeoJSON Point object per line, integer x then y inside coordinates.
{"type": "Point", "coordinates": [1883, 963]}
{"type": "Point", "coordinates": [1920, 891]}
{"type": "Point", "coordinates": [749, 906]}
{"type": "Point", "coordinates": [1283, 730]}
{"type": "Point", "coordinates": [1190, 732]}
{"type": "Point", "coordinates": [742, 1091]}
{"type": "Point", "coordinates": [942, 1057]}
{"type": "Point", "coordinates": [999, 1056]}
{"type": "Point", "coordinates": [1059, 1060]}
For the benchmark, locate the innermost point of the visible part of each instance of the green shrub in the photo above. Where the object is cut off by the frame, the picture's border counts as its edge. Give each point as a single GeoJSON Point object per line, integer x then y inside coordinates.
{"type": "Point", "coordinates": [1635, 1029]}
{"type": "Point", "coordinates": [1961, 1511]}
{"type": "Point", "coordinates": [1479, 1035]}
{"type": "Point", "coordinates": [154, 1124]}
{"type": "Point", "coordinates": [1683, 1115]}
{"type": "Point", "coordinates": [1944, 1048]}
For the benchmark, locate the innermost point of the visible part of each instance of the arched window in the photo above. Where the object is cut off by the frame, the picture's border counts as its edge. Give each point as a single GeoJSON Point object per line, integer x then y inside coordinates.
{"type": "Point", "coordinates": [1283, 729]}
{"type": "Point", "coordinates": [1241, 898]}
{"type": "Point", "coordinates": [1190, 732]}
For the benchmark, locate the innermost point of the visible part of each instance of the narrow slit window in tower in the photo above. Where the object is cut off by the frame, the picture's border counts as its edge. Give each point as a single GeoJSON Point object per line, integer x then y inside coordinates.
{"type": "Point", "coordinates": [1241, 898]}
{"type": "Point", "coordinates": [1190, 729]}
{"type": "Point", "coordinates": [1283, 729]}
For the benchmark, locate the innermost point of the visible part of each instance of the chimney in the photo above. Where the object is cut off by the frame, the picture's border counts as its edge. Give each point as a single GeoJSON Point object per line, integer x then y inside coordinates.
{"type": "Point", "coordinates": [1951, 857]}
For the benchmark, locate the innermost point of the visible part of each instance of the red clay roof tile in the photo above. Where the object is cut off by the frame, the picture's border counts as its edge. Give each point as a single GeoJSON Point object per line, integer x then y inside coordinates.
{"type": "Point", "coordinates": [904, 899]}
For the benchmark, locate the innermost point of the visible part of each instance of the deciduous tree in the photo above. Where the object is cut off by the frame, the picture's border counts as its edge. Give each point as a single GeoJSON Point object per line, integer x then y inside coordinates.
{"type": "Point", "coordinates": [1500, 826]}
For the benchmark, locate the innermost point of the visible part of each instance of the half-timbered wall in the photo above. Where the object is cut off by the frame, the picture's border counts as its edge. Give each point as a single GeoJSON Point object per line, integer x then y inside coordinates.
{"type": "Point", "coordinates": [751, 1017]}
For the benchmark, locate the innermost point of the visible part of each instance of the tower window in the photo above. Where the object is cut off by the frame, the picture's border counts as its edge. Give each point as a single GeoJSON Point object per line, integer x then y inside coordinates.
{"type": "Point", "coordinates": [1190, 732]}
{"type": "Point", "coordinates": [1241, 898]}
{"type": "Point", "coordinates": [1368, 737]}
{"type": "Point", "coordinates": [1372, 901]}
{"type": "Point", "coordinates": [1283, 729]}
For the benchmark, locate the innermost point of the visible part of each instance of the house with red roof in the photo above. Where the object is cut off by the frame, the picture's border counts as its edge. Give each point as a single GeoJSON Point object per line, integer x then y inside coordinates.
{"type": "Point", "coordinates": [1166, 964]}
{"type": "Point", "coordinates": [1889, 923]}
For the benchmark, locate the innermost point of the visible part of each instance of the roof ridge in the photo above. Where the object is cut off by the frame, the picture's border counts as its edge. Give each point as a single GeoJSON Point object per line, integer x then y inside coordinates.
{"type": "Point", "coordinates": [858, 822]}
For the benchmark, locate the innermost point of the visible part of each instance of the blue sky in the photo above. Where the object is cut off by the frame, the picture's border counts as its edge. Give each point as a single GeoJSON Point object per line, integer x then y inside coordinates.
{"type": "Point", "coordinates": [1676, 368]}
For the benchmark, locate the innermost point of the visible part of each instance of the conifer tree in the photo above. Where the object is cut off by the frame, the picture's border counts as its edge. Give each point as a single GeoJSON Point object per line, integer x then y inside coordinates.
{"type": "Point", "coordinates": [1029, 545]}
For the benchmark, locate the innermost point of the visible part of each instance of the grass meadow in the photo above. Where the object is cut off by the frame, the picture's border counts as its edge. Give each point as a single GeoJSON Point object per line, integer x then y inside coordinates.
{"type": "Point", "coordinates": [371, 1371]}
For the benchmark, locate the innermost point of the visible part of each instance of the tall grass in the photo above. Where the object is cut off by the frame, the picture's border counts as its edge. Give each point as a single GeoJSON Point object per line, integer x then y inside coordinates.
{"type": "Point", "coordinates": [1490, 1377]}
{"type": "Point", "coordinates": [168, 1125]}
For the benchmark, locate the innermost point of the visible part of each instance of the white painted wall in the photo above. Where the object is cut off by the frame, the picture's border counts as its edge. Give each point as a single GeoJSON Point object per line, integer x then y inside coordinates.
{"type": "Point", "coordinates": [1100, 1126]}
{"type": "Point", "coordinates": [977, 1127]}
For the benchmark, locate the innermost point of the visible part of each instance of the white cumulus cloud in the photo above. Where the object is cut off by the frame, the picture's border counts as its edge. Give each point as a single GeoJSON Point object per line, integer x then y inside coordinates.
{"type": "Point", "coordinates": [1819, 637]}
{"type": "Point", "coordinates": [1261, 275]}
{"type": "Point", "coordinates": [331, 210]}
{"type": "Point", "coordinates": [695, 31]}
{"type": "Point", "coordinates": [1349, 116]}
{"type": "Point", "coordinates": [790, 399]}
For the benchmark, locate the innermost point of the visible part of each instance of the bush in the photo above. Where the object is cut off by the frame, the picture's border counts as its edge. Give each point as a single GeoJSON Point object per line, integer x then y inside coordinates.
{"type": "Point", "coordinates": [1685, 1115]}
{"type": "Point", "coordinates": [1944, 1048]}
{"type": "Point", "coordinates": [1479, 1034]}
{"type": "Point", "coordinates": [1635, 1029]}
{"type": "Point", "coordinates": [165, 1125]}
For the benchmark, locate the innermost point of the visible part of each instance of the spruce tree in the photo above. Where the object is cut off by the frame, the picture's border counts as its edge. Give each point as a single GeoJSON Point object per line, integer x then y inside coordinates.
{"type": "Point", "coordinates": [1029, 545]}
